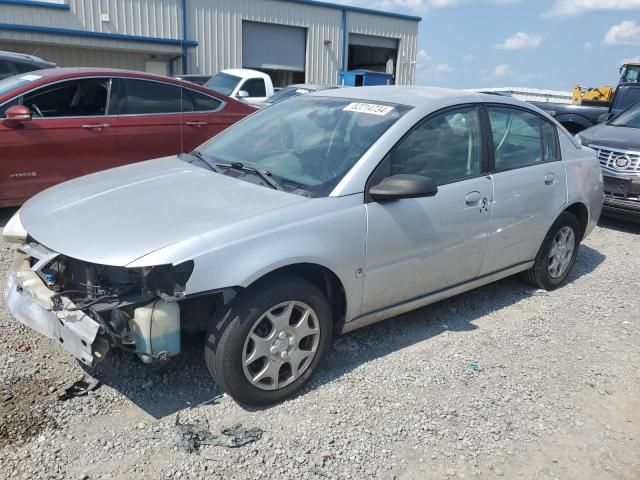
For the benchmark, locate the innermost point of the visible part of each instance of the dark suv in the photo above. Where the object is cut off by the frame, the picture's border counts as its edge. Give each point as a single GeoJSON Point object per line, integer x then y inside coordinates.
{"type": "Point", "coordinates": [617, 143]}
{"type": "Point", "coordinates": [14, 63]}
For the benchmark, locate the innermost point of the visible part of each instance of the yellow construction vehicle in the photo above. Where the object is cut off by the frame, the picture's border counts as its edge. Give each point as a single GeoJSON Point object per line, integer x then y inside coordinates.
{"type": "Point", "coordinates": [598, 96]}
{"type": "Point", "coordinates": [602, 96]}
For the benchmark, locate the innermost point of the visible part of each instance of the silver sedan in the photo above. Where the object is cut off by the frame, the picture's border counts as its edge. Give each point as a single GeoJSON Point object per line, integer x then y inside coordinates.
{"type": "Point", "coordinates": [321, 214]}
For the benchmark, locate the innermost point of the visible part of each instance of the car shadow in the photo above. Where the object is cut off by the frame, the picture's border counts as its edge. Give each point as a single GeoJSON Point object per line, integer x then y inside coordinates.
{"type": "Point", "coordinates": [614, 223]}
{"type": "Point", "coordinates": [184, 381]}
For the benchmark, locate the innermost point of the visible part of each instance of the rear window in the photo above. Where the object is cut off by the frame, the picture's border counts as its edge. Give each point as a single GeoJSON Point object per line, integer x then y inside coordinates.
{"type": "Point", "coordinates": [7, 85]}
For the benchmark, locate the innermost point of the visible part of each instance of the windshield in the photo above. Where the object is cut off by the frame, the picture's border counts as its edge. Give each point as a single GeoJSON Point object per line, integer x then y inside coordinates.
{"type": "Point", "coordinates": [11, 83]}
{"type": "Point", "coordinates": [629, 118]}
{"type": "Point", "coordinates": [288, 92]}
{"type": "Point", "coordinates": [625, 97]}
{"type": "Point", "coordinates": [307, 143]}
{"type": "Point", "coordinates": [223, 83]}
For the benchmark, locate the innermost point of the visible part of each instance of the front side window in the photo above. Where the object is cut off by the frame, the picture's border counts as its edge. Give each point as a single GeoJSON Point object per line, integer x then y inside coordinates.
{"type": "Point", "coordinates": [444, 147]}
{"type": "Point", "coordinates": [255, 87]}
{"type": "Point", "coordinates": [308, 144]}
{"type": "Point", "coordinates": [74, 98]}
{"type": "Point", "coordinates": [521, 138]}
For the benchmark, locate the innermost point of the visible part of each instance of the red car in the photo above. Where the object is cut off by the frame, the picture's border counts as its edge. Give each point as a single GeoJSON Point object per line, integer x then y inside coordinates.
{"type": "Point", "coordinates": [62, 123]}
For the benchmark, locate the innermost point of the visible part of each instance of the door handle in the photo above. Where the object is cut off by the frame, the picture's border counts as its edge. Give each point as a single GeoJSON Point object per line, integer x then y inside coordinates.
{"type": "Point", "coordinates": [473, 199]}
{"type": "Point", "coordinates": [196, 124]}
{"type": "Point", "coordinates": [96, 125]}
{"type": "Point", "coordinates": [550, 179]}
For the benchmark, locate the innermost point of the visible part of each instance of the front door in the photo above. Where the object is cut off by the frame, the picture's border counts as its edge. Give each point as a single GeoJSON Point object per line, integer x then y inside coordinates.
{"type": "Point", "coordinates": [420, 246]}
{"type": "Point", "coordinates": [70, 134]}
{"type": "Point", "coordinates": [530, 185]}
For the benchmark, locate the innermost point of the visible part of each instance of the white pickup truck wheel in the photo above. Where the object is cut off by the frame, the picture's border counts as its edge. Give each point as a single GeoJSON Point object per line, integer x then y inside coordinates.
{"type": "Point", "coordinates": [270, 340]}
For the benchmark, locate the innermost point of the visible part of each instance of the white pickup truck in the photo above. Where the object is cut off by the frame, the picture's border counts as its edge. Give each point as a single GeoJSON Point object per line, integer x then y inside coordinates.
{"type": "Point", "coordinates": [241, 83]}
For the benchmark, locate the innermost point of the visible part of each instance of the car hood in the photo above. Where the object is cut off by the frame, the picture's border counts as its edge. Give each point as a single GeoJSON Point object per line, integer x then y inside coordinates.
{"type": "Point", "coordinates": [117, 216]}
{"type": "Point", "coordinates": [604, 135]}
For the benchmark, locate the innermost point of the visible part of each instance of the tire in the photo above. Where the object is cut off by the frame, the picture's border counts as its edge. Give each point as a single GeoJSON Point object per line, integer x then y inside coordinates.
{"type": "Point", "coordinates": [278, 342]}
{"type": "Point", "coordinates": [542, 275]}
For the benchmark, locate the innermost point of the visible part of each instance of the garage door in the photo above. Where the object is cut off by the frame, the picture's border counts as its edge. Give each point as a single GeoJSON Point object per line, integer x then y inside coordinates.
{"type": "Point", "coordinates": [371, 41]}
{"type": "Point", "coordinates": [275, 47]}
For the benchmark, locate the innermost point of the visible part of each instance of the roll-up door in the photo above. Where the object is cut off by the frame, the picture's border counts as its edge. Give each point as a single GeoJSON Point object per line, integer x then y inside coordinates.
{"type": "Point", "coordinates": [273, 47]}
{"type": "Point", "coordinates": [371, 41]}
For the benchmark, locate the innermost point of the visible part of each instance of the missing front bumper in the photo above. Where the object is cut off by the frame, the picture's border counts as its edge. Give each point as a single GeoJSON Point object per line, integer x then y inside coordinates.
{"type": "Point", "coordinates": [28, 300]}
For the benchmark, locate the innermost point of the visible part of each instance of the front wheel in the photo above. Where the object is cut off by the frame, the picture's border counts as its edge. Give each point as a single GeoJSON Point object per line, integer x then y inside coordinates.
{"type": "Point", "coordinates": [557, 255]}
{"type": "Point", "coordinates": [270, 340]}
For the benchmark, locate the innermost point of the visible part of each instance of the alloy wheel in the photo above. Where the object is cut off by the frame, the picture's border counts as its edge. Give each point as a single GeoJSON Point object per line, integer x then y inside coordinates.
{"type": "Point", "coordinates": [561, 252]}
{"type": "Point", "coordinates": [281, 345]}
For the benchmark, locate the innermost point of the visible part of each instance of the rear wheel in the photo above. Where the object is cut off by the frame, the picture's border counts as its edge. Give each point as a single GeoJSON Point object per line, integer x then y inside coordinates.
{"type": "Point", "coordinates": [270, 340]}
{"type": "Point", "coordinates": [557, 255]}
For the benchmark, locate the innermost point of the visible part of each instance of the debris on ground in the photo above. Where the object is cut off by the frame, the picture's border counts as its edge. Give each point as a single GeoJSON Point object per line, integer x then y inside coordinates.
{"type": "Point", "coordinates": [540, 293]}
{"type": "Point", "coordinates": [474, 365]}
{"type": "Point", "coordinates": [80, 388]}
{"type": "Point", "coordinates": [23, 347]}
{"type": "Point", "coordinates": [190, 437]}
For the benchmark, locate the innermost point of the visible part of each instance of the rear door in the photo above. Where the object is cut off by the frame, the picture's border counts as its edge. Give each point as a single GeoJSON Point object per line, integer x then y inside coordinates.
{"type": "Point", "coordinates": [530, 185]}
{"type": "Point", "coordinates": [70, 134]}
{"type": "Point", "coordinates": [148, 124]}
{"type": "Point", "coordinates": [203, 117]}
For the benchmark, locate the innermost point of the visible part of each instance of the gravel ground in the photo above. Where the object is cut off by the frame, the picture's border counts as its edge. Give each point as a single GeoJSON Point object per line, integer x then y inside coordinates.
{"type": "Point", "coordinates": [500, 382]}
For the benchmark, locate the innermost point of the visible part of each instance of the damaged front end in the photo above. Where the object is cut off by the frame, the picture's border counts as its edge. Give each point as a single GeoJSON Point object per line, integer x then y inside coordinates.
{"type": "Point", "coordinates": [90, 308]}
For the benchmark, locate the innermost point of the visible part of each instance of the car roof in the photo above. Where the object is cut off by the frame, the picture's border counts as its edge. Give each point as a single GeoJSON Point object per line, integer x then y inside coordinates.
{"type": "Point", "coordinates": [244, 72]}
{"type": "Point", "coordinates": [22, 56]}
{"type": "Point", "coordinates": [405, 95]}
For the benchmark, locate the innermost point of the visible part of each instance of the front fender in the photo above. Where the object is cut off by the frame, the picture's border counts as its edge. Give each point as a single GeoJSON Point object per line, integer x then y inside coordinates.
{"type": "Point", "coordinates": [568, 118]}
{"type": "Point", "coordinates": [329, 232]}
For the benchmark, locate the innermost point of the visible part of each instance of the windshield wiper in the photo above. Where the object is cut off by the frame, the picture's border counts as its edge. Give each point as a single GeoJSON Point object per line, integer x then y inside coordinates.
{"type": "Point", "coordinates": [243, 167]}
{"type": "Point", "coordinates": [205, 160]}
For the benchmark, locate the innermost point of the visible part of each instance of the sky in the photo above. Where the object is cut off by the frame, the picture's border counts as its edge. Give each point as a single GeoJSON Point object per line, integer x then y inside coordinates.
{"type": "Point", "coordinates": [549, 44]}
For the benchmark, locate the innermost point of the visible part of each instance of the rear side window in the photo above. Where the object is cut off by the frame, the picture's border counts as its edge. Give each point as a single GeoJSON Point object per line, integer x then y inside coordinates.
{"type": "Point", "coordinates": [255, 87]}
{"type": "Point", "coordinates": [521, 138]}
{"type": "Point", "coordinates": [73, 98]}
{"type": "Point", "coordinates": [5, 69]}
{"type": "Point", "coordinates": [444, 147]}
{"type": "Point", "coordinates": [142, 97]}
{"type": "Point", "coordinates": [198, 102]}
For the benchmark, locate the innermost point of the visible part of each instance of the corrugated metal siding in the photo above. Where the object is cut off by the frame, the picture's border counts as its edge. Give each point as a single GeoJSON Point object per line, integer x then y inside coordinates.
{"type": "Point", "coordinates": [84, 57]}
{"type": "Point", "coordinates": [153, 18]}
{"type": "Point", "coordinates": [217, 26]}
{"type": "Point", "coordinates": [96, 43]}
{"type": "Point", "coordinates": [405, 31]}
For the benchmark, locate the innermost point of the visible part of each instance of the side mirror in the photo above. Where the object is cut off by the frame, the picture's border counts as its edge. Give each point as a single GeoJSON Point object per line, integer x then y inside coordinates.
{"type": "Point", "coordinates": [16, 114]}
{"type": "Point", "coordinates": [243, 94]}
{"type": "Point", "coordinates": [604, 117]}
{"type": "Point", "coordinates": [403, 186]}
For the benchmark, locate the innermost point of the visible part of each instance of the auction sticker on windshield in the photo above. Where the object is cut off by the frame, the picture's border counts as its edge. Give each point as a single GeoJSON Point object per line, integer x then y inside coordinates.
{"type": "Point", "coordinates": [370, 108]}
